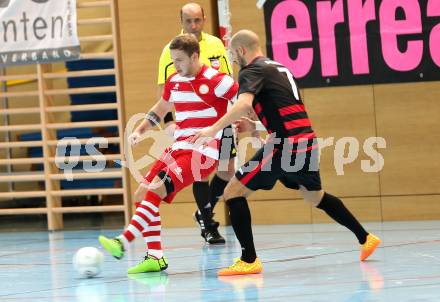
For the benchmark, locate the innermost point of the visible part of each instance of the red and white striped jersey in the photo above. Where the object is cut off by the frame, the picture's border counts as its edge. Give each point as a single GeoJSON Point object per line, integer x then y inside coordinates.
{"type": "Point", "coordinates": [199, 102]}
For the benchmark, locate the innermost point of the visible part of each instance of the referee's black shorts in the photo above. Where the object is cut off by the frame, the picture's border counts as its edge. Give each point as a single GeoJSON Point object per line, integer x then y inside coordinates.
{"type": "Point", "coordinates": [291, 169]}
{"type": "Point", "coordinates": [228, 148]}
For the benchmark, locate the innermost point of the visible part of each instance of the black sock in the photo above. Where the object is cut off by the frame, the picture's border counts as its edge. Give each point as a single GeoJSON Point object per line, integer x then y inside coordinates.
{"type": "Point", "coordinates": [201, 193]}
{"type": "Point", "coordinates": [241, 223]}
{"type": "Point", "coordinates": [217, 187]}
{"type": "Point", "coordinates": [334, 208]}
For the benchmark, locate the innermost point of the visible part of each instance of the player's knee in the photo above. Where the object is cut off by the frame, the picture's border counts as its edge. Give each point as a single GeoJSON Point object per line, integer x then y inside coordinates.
{"type": "Point", "coordinates": [233, 189]}
{"type": "Point", "coordinates": [225, 175]}
{"type": "Point", "coordinates": [229, 191]}
{"type": "Point", "coordinates": [313, 202]}
{"type": "Point", "coordinates": [140, 192]}
{"type": "Point", "coordinates": [312, 197]}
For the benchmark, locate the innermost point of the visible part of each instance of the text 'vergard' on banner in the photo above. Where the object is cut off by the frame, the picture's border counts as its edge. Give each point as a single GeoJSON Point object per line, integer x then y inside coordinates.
{"type": "Point", "coordinates": [38, 31]}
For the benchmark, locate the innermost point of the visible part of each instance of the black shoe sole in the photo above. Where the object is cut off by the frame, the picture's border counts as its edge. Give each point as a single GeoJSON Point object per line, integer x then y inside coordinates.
{"type": "Point", "coordinates": [217, 242]}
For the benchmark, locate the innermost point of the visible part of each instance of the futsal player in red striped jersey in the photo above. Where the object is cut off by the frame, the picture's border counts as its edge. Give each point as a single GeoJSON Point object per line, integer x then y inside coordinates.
{"type": "Point", "coordinates": [200, 96]}
{"type": "Point", "coordinates": [290, 155]}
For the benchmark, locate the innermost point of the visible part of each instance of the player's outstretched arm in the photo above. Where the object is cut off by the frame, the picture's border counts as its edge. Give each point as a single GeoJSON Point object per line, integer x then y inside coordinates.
{"type": "Point", "coordinates": [152, 119]}
{"type": "Point", "coordinates": [240, 108]}
{"type": "Point", "coordinates": [245, 124]}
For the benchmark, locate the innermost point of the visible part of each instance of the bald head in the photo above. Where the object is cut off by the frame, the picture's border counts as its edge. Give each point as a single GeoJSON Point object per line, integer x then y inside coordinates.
{"type": "Point", "coordinates": [245, 47]}
{"type": "Point", "coordinates": [192, 9]}
{"type": "Point", "coordinates": [246, 39]}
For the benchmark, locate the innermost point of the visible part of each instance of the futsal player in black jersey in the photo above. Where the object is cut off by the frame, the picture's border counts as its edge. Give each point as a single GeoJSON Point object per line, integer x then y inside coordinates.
{"type": "Point", "coordinates": [290, 155]}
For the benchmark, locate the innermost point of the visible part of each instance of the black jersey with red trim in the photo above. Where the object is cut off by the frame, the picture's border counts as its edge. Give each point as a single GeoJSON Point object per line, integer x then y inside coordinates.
{"type": "Point", "coordinates": [277, 101]}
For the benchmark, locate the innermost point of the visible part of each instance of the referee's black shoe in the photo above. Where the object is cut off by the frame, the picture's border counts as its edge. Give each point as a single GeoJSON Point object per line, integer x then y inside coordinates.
{"type": "Point", "coordinates": [212, 236]}
{"type": "Point", "coordinates": [210, 233]}
{"type": "Point", "coordinates": [198, 218]}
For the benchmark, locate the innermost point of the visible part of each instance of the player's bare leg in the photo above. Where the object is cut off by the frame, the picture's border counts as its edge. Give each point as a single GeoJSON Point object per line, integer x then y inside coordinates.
{"type": "Point", "coordinates": [140, 193]}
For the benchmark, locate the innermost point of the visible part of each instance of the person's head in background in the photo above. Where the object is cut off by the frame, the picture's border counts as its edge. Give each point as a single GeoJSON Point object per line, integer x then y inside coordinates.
{"type": "Point", "coordinates": [192, 17]}
{"type": "Point", "coordinates": [185, 52]}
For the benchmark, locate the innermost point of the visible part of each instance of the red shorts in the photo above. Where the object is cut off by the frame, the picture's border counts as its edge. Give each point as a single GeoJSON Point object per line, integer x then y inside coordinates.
{"type": "Point", "coordinates": [184, 167]}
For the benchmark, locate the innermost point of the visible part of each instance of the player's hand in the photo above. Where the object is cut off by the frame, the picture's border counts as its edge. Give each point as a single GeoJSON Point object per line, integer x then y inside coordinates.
{"type": "Point", "coordinates": [245, 124]}
{"type": "Point", "coordinates": [134, 138]}
{"type": "Point", "coordinates": [202, 137]}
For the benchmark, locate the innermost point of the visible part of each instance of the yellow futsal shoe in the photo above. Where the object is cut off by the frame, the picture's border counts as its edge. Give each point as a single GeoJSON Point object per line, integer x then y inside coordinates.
{"type": "Point", "coordinates": [113, 246]}
{"type": "Point", "coordinates": [242, 268]}
{"type": "Point", "coordinates": [369, 246]}
{"type": "Point", "coordinates": [149, 264]}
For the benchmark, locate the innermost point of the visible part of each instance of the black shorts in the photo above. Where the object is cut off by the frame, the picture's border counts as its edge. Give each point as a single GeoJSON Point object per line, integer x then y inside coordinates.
{"type": "Point", "coordinates": [291, 169]}
{"type": "Point", "coordinates": [228, 149]}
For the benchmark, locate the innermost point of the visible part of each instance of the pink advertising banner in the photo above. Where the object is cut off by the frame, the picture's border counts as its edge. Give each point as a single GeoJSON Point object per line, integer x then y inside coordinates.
{"type": "Point", "coordinates": [349, 42]}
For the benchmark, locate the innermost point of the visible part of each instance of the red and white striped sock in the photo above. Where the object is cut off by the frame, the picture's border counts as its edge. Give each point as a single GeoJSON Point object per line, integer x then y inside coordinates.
{"type": "Point", "coordinates": [152, 239]}
{"type": "Point", "coordinates": [146, 215]}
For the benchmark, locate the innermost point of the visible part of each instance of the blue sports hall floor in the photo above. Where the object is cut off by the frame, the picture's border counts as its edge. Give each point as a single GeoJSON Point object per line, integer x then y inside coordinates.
{"type": "Point", "coordinates": [301, 263]}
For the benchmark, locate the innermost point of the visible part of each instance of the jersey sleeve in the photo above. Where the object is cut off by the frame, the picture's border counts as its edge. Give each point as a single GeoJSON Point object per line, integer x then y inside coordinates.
{"type": "Point", "coordinates": [226, 87]}
{"type": "Point", "coordinates": [251, 80]}
{"type": "Point", "coordinates": [167, 90]}
{"type": "Point", "coordinates": [166, 67]}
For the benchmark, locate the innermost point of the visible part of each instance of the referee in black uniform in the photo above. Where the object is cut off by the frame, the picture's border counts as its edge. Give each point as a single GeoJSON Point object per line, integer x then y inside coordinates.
{"type": "Point", "coordinates": [290, 155]}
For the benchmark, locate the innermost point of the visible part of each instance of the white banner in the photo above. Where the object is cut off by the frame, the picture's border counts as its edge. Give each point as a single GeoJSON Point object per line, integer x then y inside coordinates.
{"type": "Point", "coordinates": [224, 21]}
{"type": "Point", "coordinates": [37, 31]}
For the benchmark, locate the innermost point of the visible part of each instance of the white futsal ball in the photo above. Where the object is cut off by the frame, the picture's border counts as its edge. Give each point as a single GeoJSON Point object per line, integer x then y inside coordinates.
{"type": "Point", "coordinates": [88, 261]}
